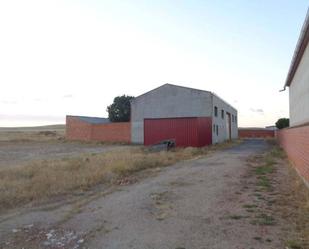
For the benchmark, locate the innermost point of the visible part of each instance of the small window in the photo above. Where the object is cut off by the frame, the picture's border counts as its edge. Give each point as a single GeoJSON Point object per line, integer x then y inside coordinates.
{"type": "Point", "coordinates": [235, 119]}
{"type": "Point", "coordinates": [222, 114]}
{"type": "Point", "coordinates": [232, 118]}
{"type": "Point", "coordinates": [214, 129]}
{"type": "Point", "coordinates": [217, 130]}
{"type": "Point", "coordinates": [216, 111]}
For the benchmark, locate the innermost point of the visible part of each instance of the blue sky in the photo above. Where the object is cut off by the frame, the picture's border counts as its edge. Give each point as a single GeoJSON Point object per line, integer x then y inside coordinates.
{"type": "Point", "coordinates": [74, 57]}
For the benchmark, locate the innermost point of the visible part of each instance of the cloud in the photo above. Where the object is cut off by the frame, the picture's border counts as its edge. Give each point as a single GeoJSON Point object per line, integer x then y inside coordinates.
{"type": "Point", "coordinates": [7, 120]}
{"type": "Point", "coordinates": [32, 117]}
{"type": "Point", "coordinates": [259, 110]}
{"type": "Point", "coordinates": [8, 102]}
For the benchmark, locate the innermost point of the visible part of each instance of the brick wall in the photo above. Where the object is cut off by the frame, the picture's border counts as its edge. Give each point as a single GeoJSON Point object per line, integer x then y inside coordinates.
{"type": "Point", "coordinates": [295, 141]}
{"type": "Point", "coordinates": [77, 129]}
{"type": "Point", "coordinates": [256, 133]}
{"type": "Point", "coordinates": [112, 132]}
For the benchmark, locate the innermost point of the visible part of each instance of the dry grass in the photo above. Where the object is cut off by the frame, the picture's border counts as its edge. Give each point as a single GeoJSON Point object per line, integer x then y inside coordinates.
{"type": "Point", "coordinates": [294, 207]}
{"type": "Point", "coordinates": [19, 135]}
{"type": "Point", "coordinates": [292, 203]}
{"type": "Point", "coordinates": [40, 180]}
{"type": "Point", "coordinates": [282, 198]}
{"type": "Point", "coordinates": [30, 136]}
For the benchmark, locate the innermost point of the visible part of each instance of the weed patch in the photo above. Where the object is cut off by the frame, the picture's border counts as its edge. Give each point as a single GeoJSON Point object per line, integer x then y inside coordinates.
{"type": "Point", "coordinates": [264, 182]}
{"type": "Point", "coordinates": [236, 217]}
{"type": "Point", "coordinates": [250, 206]}
{"type": "Point", "coordinates": [263, 170]}
{"type": "Point", "coordinates": [263, 220]}
{"type": "Point", "coordinates": [292, 244]}
{"type": "Point", "coordinates": [281, 195]}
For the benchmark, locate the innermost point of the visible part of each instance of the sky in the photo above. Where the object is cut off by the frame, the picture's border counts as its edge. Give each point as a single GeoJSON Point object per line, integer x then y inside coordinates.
{"type": "Point", "coordinates": [73, 57]}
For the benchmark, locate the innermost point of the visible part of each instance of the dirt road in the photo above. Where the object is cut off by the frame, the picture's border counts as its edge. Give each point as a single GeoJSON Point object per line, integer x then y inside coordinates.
{"type": "Point", "coordinates": [193, 204]}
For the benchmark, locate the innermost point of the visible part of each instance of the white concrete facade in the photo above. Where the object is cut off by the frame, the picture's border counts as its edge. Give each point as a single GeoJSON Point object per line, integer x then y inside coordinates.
{"type": "Point", "coordinates": [298, 79]}
{"type": "Point", "coordinates": [222, 121]}
{"type": "Point", "coordinates": [299, 92]}
{"type": "Point", "coordinates": [171, 101]}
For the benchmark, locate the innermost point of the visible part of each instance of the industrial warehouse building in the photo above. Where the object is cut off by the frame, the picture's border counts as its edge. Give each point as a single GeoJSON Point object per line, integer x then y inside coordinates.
{"type": "Point", "coordinates": [295, 140]}
{"type": "Point", "coordinates": [189, 116]}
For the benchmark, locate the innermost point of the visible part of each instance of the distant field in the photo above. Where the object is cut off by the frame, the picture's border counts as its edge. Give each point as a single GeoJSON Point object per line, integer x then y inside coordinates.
{"type": "Point", "coordinates": [57, 127]}
{"type": "Point", "coordinates": [35, 133]}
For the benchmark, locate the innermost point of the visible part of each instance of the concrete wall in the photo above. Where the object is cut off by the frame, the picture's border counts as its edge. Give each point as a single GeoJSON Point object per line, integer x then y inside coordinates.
{"type": "Point", "coordinates": [221, 122]}
{"type": "Point", "coordinates": [78, 129]}
{"type": "Point", "coordinates": [168, 101]}
{"type": "Point", "coordinates": [299, 93]}
{"type": "Point", "coordinates": [295, 142]}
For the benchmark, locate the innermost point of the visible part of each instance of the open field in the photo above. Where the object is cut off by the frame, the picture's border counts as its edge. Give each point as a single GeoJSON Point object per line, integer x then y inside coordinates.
{"type": "Point", "coordinates": [43, 168]}
{"type": "Point", "coordinates": [56, 127]}
{"type": "Point", "coordinates": [14, 154]}
{"type": "Point", "coordinates": [38, 133]}
{"type": "Point", "coordinates": [43, 179]}
{"type": "Point", "coordinates": [60, 194]}
{"type": "Point", "coordinates": [24, 145]}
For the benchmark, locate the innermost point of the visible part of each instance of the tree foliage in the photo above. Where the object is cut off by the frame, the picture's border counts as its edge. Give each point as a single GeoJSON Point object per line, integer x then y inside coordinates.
{"type": "Point", "coordinates": [120, 109]}
{"type": "Point", "coordinates": [282, 123]}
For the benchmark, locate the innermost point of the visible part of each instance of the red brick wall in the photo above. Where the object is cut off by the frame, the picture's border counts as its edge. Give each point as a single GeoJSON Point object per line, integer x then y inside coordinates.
{"type": "Point", "coordinates": [77, 129]}
{"type": "Point", "coordinates": [112, 132]}
{"type": "Point", "coordinates": [256, 133]}
{"type": "Point", "coordinates": [295, 141]}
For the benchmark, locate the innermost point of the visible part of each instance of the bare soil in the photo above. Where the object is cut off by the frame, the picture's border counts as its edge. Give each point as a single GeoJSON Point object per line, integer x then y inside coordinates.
{"type": "Point", "coordinates": [16, 153]}
{"type": "Point", "coordinates": [217, 201]}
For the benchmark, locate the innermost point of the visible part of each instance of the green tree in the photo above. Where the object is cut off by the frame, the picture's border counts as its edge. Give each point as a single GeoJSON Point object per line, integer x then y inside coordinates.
{"type": "Point", "coordinates": [120, 109]}
{"type": "Point", "coordinates": [282, 123]}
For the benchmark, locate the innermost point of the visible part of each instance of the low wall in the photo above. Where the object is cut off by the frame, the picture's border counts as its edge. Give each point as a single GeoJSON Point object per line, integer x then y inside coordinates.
{"type": "Point", "coordinates": [75, 129]}
{"type": "Point", "coordinates": [295, 142]}
{"type": "Point", "coordinates": [79, 129]}
{"type": "Point", "coordinates": [112, 132]}
{"type": "Point", "coordinates": [256, 133]}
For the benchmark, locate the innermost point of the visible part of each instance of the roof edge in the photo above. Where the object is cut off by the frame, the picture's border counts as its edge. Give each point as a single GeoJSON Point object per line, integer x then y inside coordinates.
{"type": "Point", "coordinates": [78, 116]}
{"type": "Point", "coordinates": [168, 84]}
{"type": "Point", "coordinates": [301, 46]}
{"type": "Point", "coordinates": [185, 87]}
{"type": "Point", "coordinates": [227, 103]}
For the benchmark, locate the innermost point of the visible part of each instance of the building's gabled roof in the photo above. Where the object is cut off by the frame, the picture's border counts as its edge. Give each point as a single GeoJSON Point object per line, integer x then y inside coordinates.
{"type": "Point", "coordinates": [184, 87]}
{"type": "Point", "coordinates": [299, 51]}
{"type": "Point", "coordinates": [168, 84]}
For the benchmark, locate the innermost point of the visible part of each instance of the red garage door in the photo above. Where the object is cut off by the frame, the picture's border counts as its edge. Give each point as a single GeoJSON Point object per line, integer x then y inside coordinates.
{"type": "Point", "coordinates": [195, 132]}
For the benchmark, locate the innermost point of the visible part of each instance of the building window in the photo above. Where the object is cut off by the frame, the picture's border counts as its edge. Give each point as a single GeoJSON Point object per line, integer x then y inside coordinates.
{"type": "Point", "coordinates": [214, 128]}
{"type": "Point", "coordinates": [217, 130]}
{"type": "Point", "coordinates": [232, 118]}
{"type": "Point", "coordinates": [235, 119]}
{"type": "Point", "coordinates": [222, 114]}
{"type": "Point", "coordinates": [216, 111]}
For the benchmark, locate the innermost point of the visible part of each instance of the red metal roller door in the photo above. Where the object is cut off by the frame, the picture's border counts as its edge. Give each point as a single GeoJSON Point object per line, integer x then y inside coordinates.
{"type": "Point", "coordinates": [205, 131]}
{"type": "Point", "coordinates": [183, 130]}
